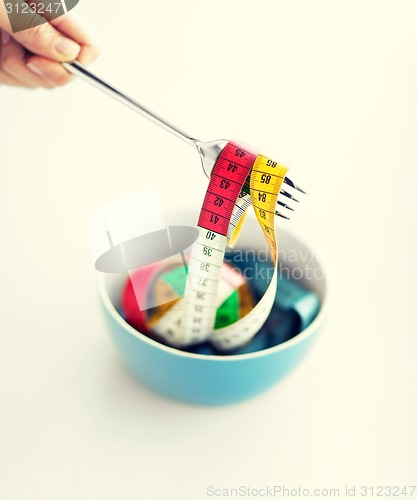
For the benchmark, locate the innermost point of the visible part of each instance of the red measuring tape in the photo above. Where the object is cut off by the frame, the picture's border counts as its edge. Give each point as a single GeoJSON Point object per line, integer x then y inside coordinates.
{"type": "Point", "coordinates": [229, 174]}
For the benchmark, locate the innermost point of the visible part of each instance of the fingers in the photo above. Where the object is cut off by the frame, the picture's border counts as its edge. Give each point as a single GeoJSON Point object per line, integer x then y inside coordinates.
{"type": "Point", "coordinates": [44, 39]}
{"type": "Point", "coordinates": [49, 71]}
{"type": "Point", "coordinates": [60, 39]}
{"type": "Point", "coordinates": [13, 65]}
{"type": "Point", "coordinates": [72, 27]}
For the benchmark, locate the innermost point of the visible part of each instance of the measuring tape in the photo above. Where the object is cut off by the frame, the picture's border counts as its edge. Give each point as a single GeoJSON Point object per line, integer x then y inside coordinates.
{"type": "Point", "coordinates": [191, 319]}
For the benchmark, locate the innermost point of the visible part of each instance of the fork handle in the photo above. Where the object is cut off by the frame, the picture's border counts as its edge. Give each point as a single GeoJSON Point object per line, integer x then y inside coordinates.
{"type": "Point", "coordinates": [82, 72]}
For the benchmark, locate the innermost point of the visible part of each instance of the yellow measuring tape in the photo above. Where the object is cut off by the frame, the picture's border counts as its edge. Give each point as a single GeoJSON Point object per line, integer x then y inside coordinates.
{"type": "Point", "coordinates": [265, 183]}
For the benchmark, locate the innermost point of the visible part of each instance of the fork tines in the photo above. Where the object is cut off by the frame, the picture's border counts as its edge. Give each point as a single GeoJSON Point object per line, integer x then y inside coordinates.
{"type": "Point", "coordinates": [287, 208]}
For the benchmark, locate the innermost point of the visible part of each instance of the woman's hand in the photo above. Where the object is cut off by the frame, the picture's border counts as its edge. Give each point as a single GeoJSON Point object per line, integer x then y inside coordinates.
{"type": "Point", "coordinates": [31, 58]}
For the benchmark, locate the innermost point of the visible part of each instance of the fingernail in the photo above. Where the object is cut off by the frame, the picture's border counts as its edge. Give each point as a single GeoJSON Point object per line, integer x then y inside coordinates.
{"type": "Point", "coordinates": [5, 37]}
{"type": "Point", "coordinates": [35, 69]}
{"type": "Point", "coordinates": [67, 47]}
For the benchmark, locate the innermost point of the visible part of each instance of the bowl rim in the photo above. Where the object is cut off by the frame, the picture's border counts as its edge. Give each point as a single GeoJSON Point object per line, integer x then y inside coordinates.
{"type": "Point", "coordinates": [300, 337]}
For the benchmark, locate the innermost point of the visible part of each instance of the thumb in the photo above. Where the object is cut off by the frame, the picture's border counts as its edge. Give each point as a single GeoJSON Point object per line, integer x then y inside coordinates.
{"type": "Point", "coordinates": [45, 40]}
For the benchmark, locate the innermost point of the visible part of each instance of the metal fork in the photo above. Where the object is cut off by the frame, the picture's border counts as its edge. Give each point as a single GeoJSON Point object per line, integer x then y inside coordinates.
{"type": "Point", "coordinates": [209, 151]}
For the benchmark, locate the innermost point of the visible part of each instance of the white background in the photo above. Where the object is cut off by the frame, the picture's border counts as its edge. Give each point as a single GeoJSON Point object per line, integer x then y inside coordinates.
{"type": "Point", "coordinates": [329, 88]}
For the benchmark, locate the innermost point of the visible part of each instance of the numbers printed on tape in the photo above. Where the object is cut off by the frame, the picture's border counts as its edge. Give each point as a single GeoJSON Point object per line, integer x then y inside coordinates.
{"type": "Point", "coordinates": [191, 320]}
{"type": "Point", "coordinates": [264, 197]}
{"type": "Point", "coordinates": [229, 174]}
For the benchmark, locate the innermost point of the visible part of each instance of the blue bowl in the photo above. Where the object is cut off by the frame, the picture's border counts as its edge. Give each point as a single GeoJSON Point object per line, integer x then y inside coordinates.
{"type": "Point", "coordinates": [216, 379]}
